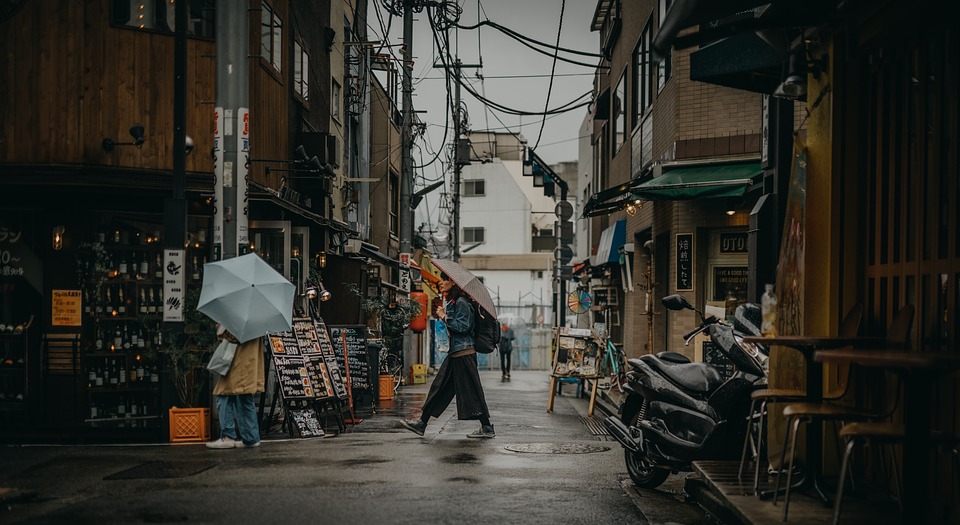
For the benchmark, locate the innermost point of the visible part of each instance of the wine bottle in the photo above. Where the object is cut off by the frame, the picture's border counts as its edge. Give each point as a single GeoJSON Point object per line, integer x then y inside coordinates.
{"type": "Point", "coordinates": [126, 338]}
{"type": "Point", "coordinates": [117, 339]}
{"type": "Point", "coordinates": [196, 269]}
{"type": "Point", "coordinates": [158, 268]}
{"type": "Point", "coordinates": [142, 303]}
{"type": "Point", "coordinates": [144, 267]}
{"type": "Point", "coordinates": [151, 303]}
{"type": "Point", "coordinates": [123, 265]}
{"type": "Point", "coordinates": [99, 381]}
{"type": "Point", "coordinates": [87, 308]}
{"type": "Point", "coordinates": [121, 302]}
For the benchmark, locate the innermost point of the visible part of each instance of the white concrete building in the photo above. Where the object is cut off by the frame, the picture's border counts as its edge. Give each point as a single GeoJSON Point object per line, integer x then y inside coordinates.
{"type": "Point", "coordinates": [506, 228]}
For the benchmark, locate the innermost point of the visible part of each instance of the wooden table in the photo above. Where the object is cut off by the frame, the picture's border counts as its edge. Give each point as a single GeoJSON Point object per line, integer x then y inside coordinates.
{"type": "Point", "coordinates": [918, 371]}
{"type": "Point", "coordinates": [807, 345]}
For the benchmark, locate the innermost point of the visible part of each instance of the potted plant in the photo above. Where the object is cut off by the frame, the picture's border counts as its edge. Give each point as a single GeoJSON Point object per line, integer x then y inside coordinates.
{"type": "Point", "coordinates": [184, 354]}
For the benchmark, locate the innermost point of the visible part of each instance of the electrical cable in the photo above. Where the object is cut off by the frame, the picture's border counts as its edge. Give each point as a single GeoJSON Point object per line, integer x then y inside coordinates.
{"type": "Point", "coordinates": [520, 36]}
{"type": "Point", "coordinates": [553, 69]}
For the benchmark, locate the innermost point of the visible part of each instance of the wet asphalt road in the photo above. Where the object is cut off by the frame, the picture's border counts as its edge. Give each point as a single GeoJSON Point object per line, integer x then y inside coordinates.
{"type": "Point", "coordinates": [375, 473]}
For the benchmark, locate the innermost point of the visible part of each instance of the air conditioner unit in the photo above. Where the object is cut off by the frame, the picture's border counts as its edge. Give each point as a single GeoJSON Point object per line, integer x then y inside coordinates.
{"type": "Point", "coordinates": [352, 246]}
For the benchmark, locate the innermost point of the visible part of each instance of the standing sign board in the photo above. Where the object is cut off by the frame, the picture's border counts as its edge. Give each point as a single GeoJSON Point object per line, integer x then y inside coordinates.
{"type": "Point", "coordinates": [350, 345]}
{"type": "Point", "coordinates": [577, 353]}
{"type": "Point", "coordinates": [306, 372]}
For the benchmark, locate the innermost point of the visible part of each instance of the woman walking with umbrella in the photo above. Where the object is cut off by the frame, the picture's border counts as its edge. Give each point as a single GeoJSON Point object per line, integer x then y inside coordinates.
{"type": "Point", "coordinates": [458, 375]}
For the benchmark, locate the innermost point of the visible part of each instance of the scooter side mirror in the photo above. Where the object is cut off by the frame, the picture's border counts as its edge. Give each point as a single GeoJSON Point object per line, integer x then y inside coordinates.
{"type": "Point", "coordinates": [676, 302]}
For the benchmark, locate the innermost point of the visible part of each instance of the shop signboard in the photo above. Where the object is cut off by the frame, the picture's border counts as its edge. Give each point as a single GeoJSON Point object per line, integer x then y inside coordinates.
{"type": "Point", "coordinates": [730, 280]}
{"type": "Point", "coordinates": [66, 308]}
{"type": "Point", "coordinates": [684, 261]}
{"type": "Point", "coordinates": [173, 286]}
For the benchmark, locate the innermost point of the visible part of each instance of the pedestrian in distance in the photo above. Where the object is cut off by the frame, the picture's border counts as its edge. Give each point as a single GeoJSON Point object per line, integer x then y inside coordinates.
{"type": "Point", "coordinates": [458, 375]}
{"type": "Point", "coordinates": [506, 348]}
{"type": "Point", "coordinates": [237, 410]}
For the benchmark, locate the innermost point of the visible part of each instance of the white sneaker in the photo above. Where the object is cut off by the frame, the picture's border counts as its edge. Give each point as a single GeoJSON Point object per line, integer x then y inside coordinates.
{"type": "Point", "coordinates": [225, 442]}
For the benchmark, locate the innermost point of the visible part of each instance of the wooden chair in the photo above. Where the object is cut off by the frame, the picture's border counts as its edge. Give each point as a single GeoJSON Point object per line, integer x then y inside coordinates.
{"type": "Point", "coordinates": [850, 327]}
{"type": "Point", "coordinates": [882, 434]}
{"type": "Point", "coordinates": [897, 337]}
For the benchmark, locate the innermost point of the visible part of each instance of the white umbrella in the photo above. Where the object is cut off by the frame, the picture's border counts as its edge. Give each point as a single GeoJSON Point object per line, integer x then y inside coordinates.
{"type": "Point", "coordinates": [247, 297]}
{"type": "Point", "coordinates": [467, 282]}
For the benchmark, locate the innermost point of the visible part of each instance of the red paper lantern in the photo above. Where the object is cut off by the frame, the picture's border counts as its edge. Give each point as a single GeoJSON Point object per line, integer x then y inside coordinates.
{"type": "Point", "coordinates": [419, 323]}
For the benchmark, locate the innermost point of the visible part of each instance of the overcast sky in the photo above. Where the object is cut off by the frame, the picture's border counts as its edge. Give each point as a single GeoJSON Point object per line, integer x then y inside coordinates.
{"type": "Point", "coordinates": [514, 75]}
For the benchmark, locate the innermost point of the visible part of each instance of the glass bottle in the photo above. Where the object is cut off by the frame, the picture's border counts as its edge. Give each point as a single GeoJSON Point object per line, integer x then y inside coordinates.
{"type": "Point", "coordinates": [768, 311]}
{"type": "Point", "coordinates": [158, 268]}
{"type": "Point", "coordinates": [144, 266]}
{"type": "Point", "coordinates": [121, 302]}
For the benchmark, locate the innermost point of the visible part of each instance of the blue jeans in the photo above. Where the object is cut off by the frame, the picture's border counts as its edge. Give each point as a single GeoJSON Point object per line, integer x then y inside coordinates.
{"type": "Point", "coordinates": [242, 409]}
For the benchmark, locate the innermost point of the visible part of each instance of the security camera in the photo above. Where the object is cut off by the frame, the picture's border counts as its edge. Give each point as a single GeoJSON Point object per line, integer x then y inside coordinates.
{"type": "Point", "coordinates": [188, 144]}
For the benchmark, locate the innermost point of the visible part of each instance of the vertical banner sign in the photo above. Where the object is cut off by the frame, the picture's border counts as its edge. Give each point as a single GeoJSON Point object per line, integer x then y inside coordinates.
{"type": "Point", "coordinates": [218, 184]}
{"type": "Point", "coordinates": [243, 152]}
{"type": "Point", "coordinates": [684, 261]}
{"type": "Point", "coordinates": [405, 283]}
{"type": "Point", "coordinates": [173, 286]}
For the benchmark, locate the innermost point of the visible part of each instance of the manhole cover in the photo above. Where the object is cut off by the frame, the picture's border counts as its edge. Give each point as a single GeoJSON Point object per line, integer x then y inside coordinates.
{"type": "Point", "coordinates": [556, 448]}
{"type": "Point", "coordinates": [163, 469]}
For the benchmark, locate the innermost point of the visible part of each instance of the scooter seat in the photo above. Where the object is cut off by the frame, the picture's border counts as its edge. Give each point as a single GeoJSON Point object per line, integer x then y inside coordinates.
{"type": "Point", "coordinates": [695, 377]}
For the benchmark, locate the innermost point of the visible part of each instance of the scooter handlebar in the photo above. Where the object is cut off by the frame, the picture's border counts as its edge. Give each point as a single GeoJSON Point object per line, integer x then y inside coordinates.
{"type": "Point", "coordinates": [703, 326]}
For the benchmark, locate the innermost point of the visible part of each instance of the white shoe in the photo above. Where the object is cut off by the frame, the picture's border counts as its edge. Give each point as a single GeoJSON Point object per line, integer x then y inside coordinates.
{"type": "Point", "coordinates": [225, 442]}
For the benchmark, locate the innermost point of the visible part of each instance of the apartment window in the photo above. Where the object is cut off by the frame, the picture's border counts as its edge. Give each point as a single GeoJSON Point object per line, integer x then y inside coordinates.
{"type": "Point", "coordinates": [335, 100]}
{"type": "Point", "coordinates": [159, 15]}
{"type": "Point", "coordinates": [474, 188]}
{"type": "Point", "coordinates": [271, 36]}
{"type": "Point", "coordinates": [619, 112]}
{"type": "Point", "coordinates": [664, 69]}
{"type": "Point", "coordinates": [301, 72]}
{"type": "Point", "coordinates": [643, 81]}
{"type": "Point", "coordinates": [473, 234]}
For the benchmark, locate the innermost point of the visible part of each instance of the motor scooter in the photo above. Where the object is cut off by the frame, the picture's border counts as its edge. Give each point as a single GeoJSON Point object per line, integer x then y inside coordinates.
{"type": "Point", "coordinates": [677, 412]}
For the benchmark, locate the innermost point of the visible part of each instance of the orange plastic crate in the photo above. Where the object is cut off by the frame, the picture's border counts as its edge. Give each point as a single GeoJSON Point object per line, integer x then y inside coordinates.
{"type": "Point", "coordinates": [189, 424]}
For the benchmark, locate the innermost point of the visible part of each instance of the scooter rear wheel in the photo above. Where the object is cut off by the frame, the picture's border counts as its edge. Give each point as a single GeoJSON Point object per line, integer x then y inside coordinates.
{"type": "Point", "coordinates": [643, 473]}
{"type": "Point", "coordinates": [641, 470]}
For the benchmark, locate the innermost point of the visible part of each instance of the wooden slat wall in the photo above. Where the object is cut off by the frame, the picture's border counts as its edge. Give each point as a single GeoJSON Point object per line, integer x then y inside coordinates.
{"type": "Point", "coordinates": [269, 94]}
{"type": "Point", "coordinates": [69, 80]}
{"type": "Point", "coordinates": [909, 162]}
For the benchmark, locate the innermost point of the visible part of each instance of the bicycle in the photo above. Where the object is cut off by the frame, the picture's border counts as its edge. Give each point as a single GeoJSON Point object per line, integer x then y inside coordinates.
{"type": "Point", "coordinates": [614, 366]}
{"type": "Point", "coordinates": [390, 364]}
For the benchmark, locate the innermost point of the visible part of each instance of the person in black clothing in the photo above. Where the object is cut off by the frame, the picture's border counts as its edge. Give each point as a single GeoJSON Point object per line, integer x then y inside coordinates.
{"type": "Point", "coordinates": [506, 348]}
{"type": "Point", "coordinates": [458, 375]}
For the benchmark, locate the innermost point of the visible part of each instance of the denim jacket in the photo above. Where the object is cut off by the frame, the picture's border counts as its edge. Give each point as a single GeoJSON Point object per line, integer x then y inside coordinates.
{"type": "Point", "coordinates": [460, 319]}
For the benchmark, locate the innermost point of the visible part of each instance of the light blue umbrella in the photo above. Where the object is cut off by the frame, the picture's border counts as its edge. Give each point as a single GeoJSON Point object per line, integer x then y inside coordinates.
{"type": "Point", "coordinates": [246, 296]}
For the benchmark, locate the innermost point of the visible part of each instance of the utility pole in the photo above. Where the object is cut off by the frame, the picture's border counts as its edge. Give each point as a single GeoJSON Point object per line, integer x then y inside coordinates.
{"type": "Point", "coordinates": [406, 182]}
{"type": "Point", "coordinates": [231, 134]}
{"type": "Point", "coordinates": [461, 156]}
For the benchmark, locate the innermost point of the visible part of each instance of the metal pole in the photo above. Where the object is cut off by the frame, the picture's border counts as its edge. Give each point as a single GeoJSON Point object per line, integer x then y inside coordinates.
{"type": "Point", "coordinates": [233, 123]}
{"type": "Point", "coordinates": [175, 212]}
{"type": "Point", "coordinates": [406, 181]}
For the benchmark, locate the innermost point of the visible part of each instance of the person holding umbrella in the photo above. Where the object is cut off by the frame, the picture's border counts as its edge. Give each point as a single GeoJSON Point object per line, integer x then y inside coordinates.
{"type": "Point", "coordinates": [247, 298]}
{"type": "Point", "coordinates": [234, 392]}
{"type": "Point", "coordinates": [458, 375]}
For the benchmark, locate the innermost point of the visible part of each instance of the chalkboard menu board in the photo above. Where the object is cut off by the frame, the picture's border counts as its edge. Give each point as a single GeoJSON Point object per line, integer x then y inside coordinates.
{"type": "Point", "coordinates": [303, 370]}
{"type": "Point", "coordinates": [306, 421]}
{"type": "Point", "coordinates": [352, 341]}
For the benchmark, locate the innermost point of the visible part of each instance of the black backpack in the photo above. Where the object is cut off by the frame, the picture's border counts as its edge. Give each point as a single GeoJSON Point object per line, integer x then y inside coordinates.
{"type": "Point", "coordinates": [486, 331]}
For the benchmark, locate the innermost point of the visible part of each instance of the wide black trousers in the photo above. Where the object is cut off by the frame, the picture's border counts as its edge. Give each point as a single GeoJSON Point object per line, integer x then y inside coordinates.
{"type": "Point", "coordinates": [458, 376]}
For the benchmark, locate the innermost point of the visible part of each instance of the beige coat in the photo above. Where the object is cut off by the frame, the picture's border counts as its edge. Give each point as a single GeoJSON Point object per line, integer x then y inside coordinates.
{"type": "Point", "coordinates": [246, 375]}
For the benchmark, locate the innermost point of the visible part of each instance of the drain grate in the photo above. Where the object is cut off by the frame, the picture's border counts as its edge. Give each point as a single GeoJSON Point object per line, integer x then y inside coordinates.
{"type": "Point", "coordinates": [163, 469]}
{"type": "Point", "coordinates": [595, 426]}
{"type": "Point", "coordinates": [556, 448]}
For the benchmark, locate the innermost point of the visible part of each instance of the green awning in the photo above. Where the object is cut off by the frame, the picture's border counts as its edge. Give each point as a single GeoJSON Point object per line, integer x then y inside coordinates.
{"type": "Point", "coordinates": [704, 182]}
